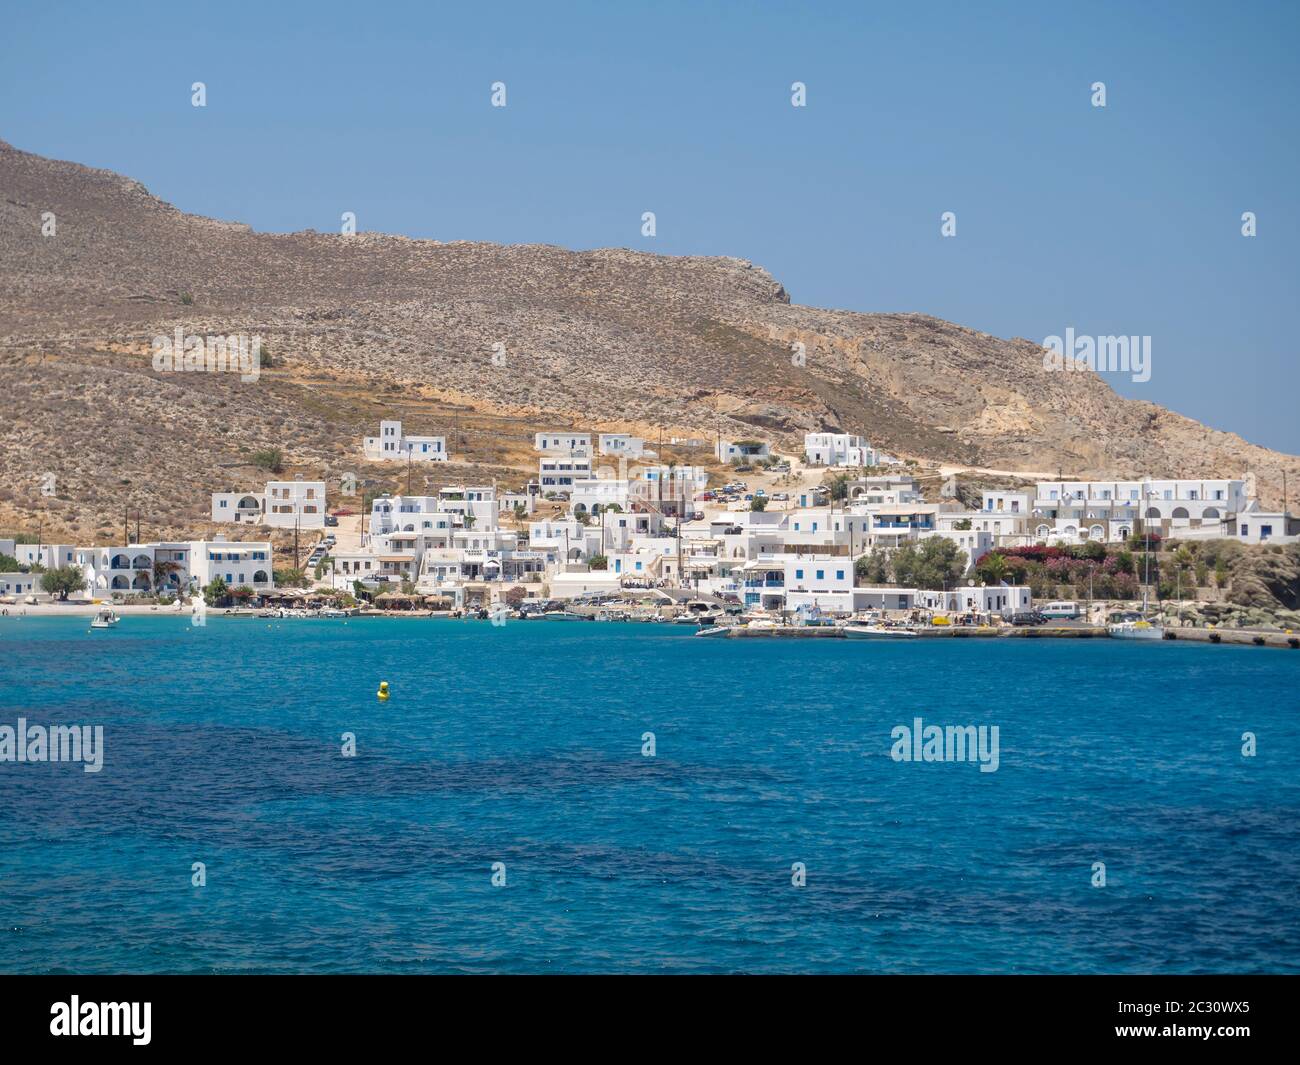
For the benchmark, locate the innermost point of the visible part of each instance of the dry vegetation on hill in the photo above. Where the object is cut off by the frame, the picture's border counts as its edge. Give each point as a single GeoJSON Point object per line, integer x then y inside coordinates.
{"type": "Point", "coordinates": [372, 325]}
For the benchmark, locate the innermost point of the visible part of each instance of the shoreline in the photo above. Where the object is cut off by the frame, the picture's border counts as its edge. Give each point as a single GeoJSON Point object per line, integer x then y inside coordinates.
{"type": "Point", "coordinates": [1275, 638]}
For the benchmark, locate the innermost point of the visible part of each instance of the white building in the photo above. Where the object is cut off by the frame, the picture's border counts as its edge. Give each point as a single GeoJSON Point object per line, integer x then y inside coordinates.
{"type": "Point", "coordinates": [1257, 526]}
{"type": "Point", "coordinates": [281, 505]}
{"type": "Point", "coordinates": [742, 451]}
{"type": "Point", "coordinates": [391, 444]}
{"type": "Point", "coordinates": [1000, 599]}
{"type": "Point", "coordinates": [841, 449]}
{"type": "Point", "coordinates": [1077, 511]}
{"type": "Point", "coordinates": [622, 445]}
{"type": "Point", "coordinates": [240, 565]}
{"type": "Point", "coordinates": [557, 471]}
{"type": "Point", "coordinates": [594, 494]}
{"type": "Point", "coordinates": [563, 442]}
{"type": "Point", "coordinates": [16, 584]}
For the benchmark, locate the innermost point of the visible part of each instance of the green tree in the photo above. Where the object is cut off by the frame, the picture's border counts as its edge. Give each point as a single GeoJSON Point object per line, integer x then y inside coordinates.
{"type": "Point", "coordinates": [290, 577]}
{"type": "Point", "coordinates": [992, 568]}
{"type": "Point", "coordinates": [63, 581]}
{"type": "Point", "coordinates": [936, 562]}
{"type": "Point", "coordinates": [8, 564]}
{"type": "Point", "coordinates": [216, 591]}
{"type": "Point", "coordinates": [598, 562]}
{"type": "Point", "coordinates": [162, 569]}
{"type": "Point", "coordinates": [758, 503]}
{"type": "Point", "coordinates": [873, 568]}
{"type": "Point", "coordinates": [838, 486]}
{"type": "Point", "coordinates": [270, 458]}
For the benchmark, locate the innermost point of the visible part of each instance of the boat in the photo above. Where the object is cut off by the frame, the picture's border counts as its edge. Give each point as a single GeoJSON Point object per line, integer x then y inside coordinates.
{"type": "Point", "coordinates": [105, 619]}
{"type": "Point", "coordinates": [1140, 626]}
{"type": "Point", "coordinates": [877, 632]}
{"type": "Point", "coordinates": [1141, 629]}
{"type": "Point", "coordinates": [714, 630]}
{"type": "Point", "coordinates": [762, 623]}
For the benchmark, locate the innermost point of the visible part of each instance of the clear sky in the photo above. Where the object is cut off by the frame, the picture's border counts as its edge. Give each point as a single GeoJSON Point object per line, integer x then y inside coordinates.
{"type": "Point", "coordinates": [1117, 220]}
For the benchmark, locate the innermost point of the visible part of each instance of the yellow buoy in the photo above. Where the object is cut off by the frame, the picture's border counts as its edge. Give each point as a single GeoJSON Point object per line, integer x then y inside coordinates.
{"type": "Point", "coordinates": [383, 691]}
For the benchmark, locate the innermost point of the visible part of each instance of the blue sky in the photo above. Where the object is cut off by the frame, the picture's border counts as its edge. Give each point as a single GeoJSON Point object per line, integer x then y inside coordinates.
{"type": "Point", "coordinates": [1122, 220]}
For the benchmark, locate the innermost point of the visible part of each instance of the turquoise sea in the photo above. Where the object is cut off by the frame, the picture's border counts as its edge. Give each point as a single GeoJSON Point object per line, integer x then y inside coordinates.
{"type": "Point", "coordinates": [522, 745]}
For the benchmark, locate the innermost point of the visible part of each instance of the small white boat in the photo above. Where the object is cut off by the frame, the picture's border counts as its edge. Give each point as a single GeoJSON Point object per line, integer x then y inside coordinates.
{"type": "Point", "coordinates": [761, 623]}
{"type": "Point", "coordinates": [1136, 630]}
{"type": "Point", "coordinates": [714, 630]}
{"type": "Point", "coordinates": [105, 619]}
{"type": "Point", "coordinates": [877, 632]}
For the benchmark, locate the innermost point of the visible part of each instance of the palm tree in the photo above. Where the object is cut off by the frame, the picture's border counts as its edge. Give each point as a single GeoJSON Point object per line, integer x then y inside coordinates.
{"type": "Point", "coordinates": [162, 569]}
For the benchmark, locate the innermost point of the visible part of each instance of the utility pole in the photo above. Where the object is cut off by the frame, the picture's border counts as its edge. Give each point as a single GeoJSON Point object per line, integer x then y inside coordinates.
{"type": "Point", "coordinates": [137, 525]}
{"type": "Point", "coordinates": [126, 526]}
{"type": "Point", "coordinates": [408, 469]}
{"type": "Point", "coordinates": [295, 541]}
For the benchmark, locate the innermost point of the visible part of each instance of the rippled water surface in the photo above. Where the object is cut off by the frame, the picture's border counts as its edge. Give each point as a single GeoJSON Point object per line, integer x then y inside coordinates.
{"type": "Point", "coordinates": [523, 745]}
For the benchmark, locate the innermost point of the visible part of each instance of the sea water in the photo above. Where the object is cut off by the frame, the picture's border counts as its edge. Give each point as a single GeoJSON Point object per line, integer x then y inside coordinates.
{"type": "Point", "coordinates": [552, 796]}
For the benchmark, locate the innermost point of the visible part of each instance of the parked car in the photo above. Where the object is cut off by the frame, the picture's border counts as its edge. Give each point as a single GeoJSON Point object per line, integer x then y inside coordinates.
{"type": "Point", "coordinates": [331, 520]}
{"type": "Point", "coordinates": [1027, 617]}
{"type": "Point", "coordinates": [781, 496]}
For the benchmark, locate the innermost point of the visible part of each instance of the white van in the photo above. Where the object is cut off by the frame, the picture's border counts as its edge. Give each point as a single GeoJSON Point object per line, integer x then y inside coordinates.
{"type": "Point", "coordinates": [1063, 609]}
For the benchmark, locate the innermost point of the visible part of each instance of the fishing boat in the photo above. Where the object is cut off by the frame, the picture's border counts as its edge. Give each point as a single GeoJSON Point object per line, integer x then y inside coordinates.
{"type": "Point", "coordinates": [105, 619]}
{"type": "Point", "coordinates": [877, 632]}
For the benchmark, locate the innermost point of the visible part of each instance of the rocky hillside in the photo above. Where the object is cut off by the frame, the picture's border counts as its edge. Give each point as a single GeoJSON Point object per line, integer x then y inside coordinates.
{"type": "Point", "coordinates": [359, 326]}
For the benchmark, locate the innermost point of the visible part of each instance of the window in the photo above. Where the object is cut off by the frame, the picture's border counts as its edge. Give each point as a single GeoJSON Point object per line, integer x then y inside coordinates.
{"type": "Point", "coordinates": [1265, 531]}
{"type": "Point", "coordinates": [798, 574]}
{"type": "Point", "coordinates": [821, 574]}
{"type": "Point", "coordinates": [839, 574]}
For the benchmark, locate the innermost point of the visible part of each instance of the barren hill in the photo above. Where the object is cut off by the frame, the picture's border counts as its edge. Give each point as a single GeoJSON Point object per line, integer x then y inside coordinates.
{"type": "Point", "coordinates": [361, 326]}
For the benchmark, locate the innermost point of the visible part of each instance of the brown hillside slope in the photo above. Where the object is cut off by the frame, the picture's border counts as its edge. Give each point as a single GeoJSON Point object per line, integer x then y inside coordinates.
{"type": "Point", "coordinates": [364, 325]}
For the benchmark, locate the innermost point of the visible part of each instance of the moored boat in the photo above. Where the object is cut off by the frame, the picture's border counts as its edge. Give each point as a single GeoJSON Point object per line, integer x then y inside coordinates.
{"type": "Point", "coordinates": [876, 632]}
{"type": "Point", "coordinates": [1141, 629]}
{"type": "Point", "coordinates": [105, 619]}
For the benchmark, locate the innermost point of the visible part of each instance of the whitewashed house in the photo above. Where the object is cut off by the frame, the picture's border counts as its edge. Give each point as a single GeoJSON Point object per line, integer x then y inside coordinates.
{"type": "Point", "coordinates": [1254, 525]}
{"type": "Point", "coordinates": [1002, 599]}
{"type": "Point", "coordinates": [594, 494]}
{"type": "Point", "coordinates": [622, 445]}
{"type": "Point", "coordinates": [821, 582]}
{"type": "Point", "coordinates": [392, 444]}
{"type": "Point", "coordinates": [281, 505]}
{"type": "Point", "coordinates": [563, 442]}
{"type": "Point", "coordinates": [557, 471]}
{"type": "Point", "coordinates": [841, 449]}
{"type": "Point", "coordinates": [742, 451]}
{"type": "Point", "coordinates": [246, 564]}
